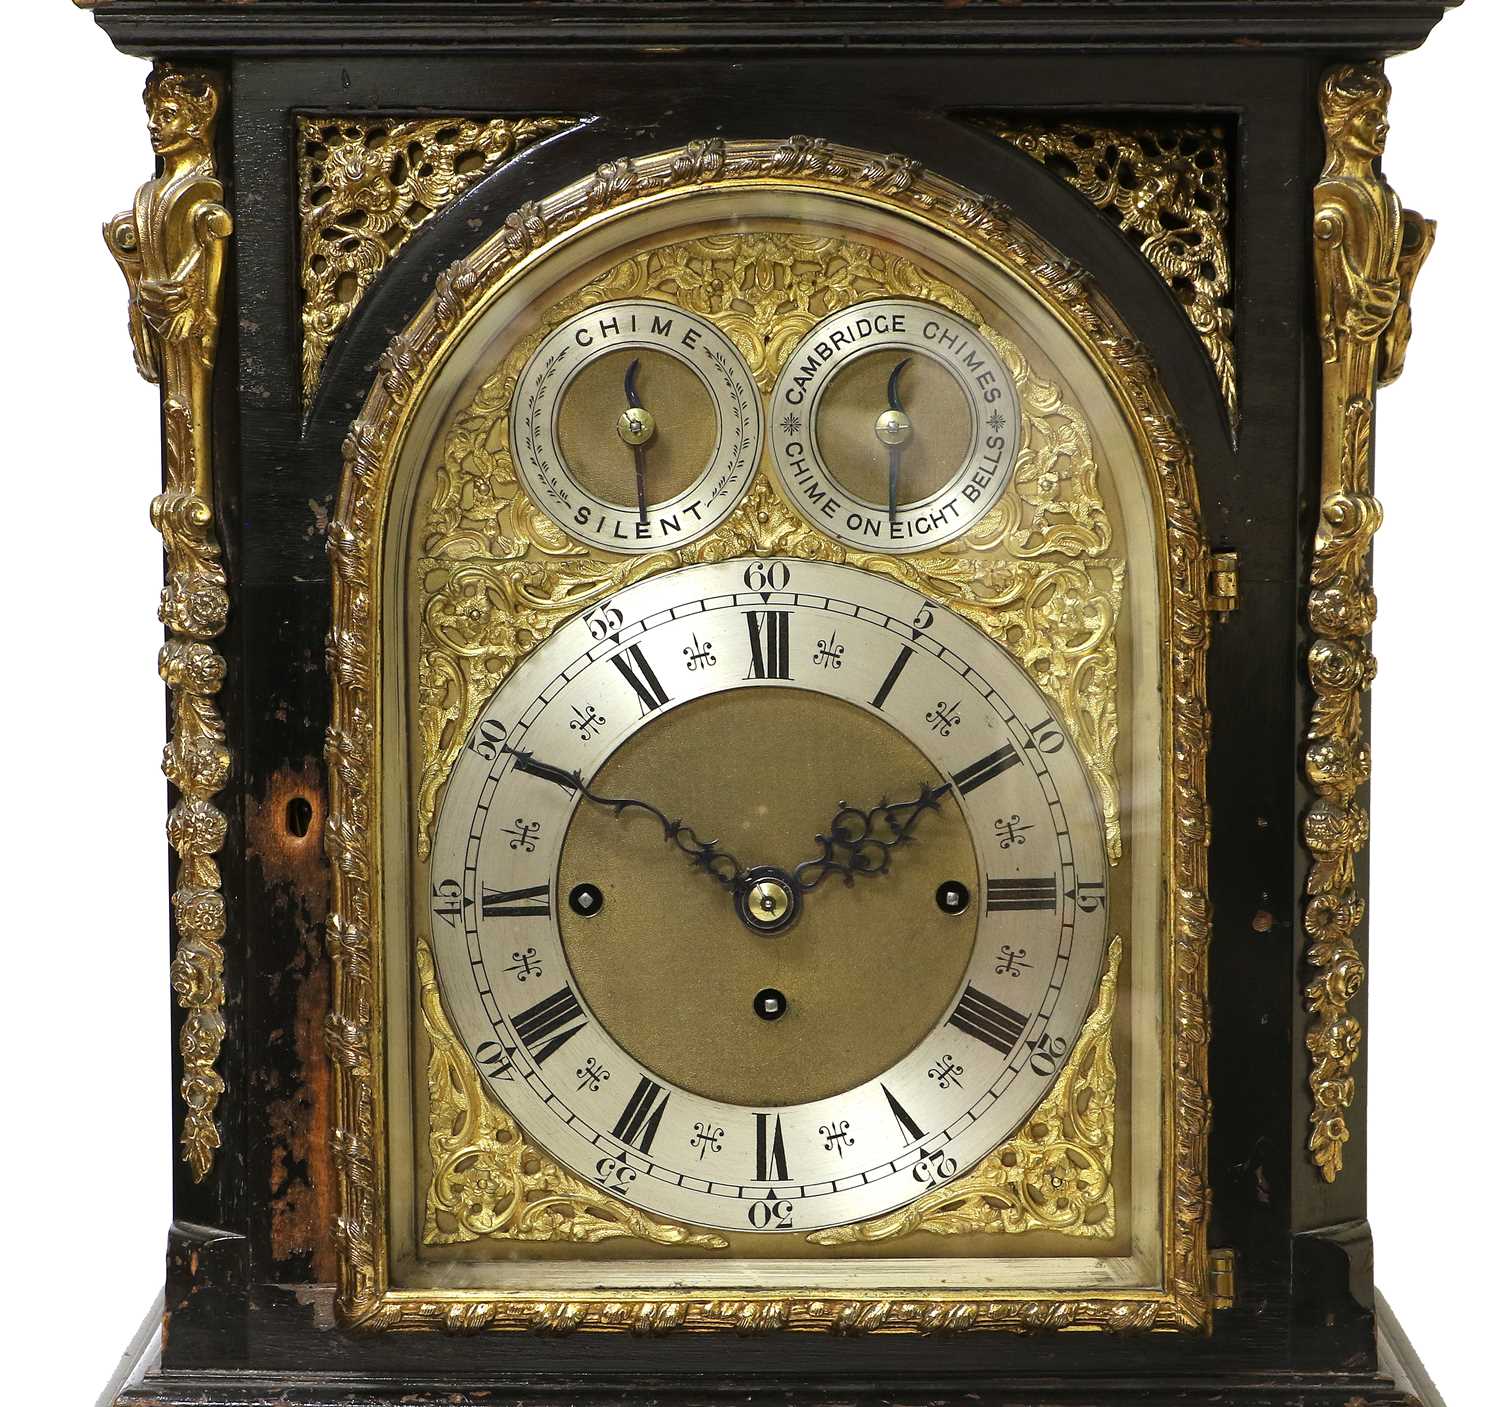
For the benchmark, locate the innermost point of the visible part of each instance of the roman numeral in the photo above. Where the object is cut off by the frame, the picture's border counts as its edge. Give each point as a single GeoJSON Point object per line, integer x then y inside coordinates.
{"type": "Point", "coordinates": [637, 1126]}
{"type": "Point", "coordinates": [543, 1028]}
{"type": "Point", "coordinates": [641, 677]}
{"type": "Point", "coordinates": [534, 902]}
{"type": "Point", "coordinates": [889, 683]}
{"type": "Point", "coordinates": [1003, 894]}
{"type": "Point", "coordinates": [770, 1151]}
{"type": "Point", "coordinates": [976, 774]}
{"type": "Point", "coordinates": [987, 1020]}
{"type": "Point", "coordinates": [911, 1130]}
{"type": "Point", "coordinates": [770, 644]}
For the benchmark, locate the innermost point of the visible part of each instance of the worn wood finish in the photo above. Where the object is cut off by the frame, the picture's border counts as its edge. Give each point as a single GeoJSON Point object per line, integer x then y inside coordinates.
{"type": "Point", "coordinates": [201, 27]}
{"type": "Point", "coordinates": [248, 1296]}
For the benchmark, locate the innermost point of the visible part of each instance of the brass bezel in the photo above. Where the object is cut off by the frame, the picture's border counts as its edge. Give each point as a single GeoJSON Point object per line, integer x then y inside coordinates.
{"type": "Point", "coordinates": [366, 1298]}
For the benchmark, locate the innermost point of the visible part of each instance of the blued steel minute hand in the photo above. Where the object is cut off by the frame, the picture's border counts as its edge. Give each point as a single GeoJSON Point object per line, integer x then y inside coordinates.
{"type": "Point", "coordinates": [704, 854]}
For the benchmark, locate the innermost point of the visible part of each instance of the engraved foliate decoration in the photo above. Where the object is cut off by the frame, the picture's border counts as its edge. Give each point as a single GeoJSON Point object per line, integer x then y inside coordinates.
{"type": "Point", "coordinates": [170, 247]}
{"type": "Point", "coordinates": [623, 332]}
{"type": "Point", "coordinates": [366, 184]}
{"type": "Point", "coordinates": [1167, 187]}
{"type": "Point", "coordinates": [497, 573]}
{"type": "Point", "coordinates": [1367, 252]}
{"type": "Point", "coordinates": [806, 443]}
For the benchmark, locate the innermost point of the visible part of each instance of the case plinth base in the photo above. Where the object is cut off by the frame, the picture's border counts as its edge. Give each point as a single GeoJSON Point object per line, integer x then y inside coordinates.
{"type": "Point", "coordinates": [1402, 1382]}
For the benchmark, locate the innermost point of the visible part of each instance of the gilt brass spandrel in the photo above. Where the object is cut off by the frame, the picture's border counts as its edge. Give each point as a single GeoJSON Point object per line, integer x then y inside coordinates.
{"type": "Point", "coordinates": [366, 1299]}
{"type": "Point", "coordinates": [170, 247]}
{"type": "Point", "coordinates": [366, 184]}
{"type": "Point", "coordinates": [1167, 187]}
{"type": "Point", "coordinates": [1056, 1172]}
{"type": "Point", "coordinates": [1367, 252]}
{"type": "Point", "coordinates": [487, 1180]}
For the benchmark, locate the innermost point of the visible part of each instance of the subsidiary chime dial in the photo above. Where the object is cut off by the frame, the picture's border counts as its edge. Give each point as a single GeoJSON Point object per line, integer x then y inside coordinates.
{"type": "Point", "coordinates": [895, 425]}
{"type": "Point", "coordinates": [636, 425]}
{"type": "Point", "coordinates": [767, 894]}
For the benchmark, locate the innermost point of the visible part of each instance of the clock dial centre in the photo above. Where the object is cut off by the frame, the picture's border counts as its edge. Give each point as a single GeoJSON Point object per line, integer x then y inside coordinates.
{"type": "Point", "coordinates": [768, 901]}
{"type": "Point", "coordinates": [673, 964]}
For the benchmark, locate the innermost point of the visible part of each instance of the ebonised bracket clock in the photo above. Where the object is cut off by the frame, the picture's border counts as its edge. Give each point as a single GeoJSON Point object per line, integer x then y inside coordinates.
{"type": "Point", "coordinates": [768, 619]}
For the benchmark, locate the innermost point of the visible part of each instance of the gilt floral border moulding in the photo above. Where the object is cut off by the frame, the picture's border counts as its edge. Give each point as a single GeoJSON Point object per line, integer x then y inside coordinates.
{"type": "Point", "coordinates": [496, 577]}
{"type": "Point", "coordinates": [170, 247]}
{"type": "Point", "coordinates": [365, 1297]}
{"type": "Point", "coordinates": [366, 184]}
{"type": "Point", "coordinates": [1167, 188]}
{"type": "Point", "coordinates": [1367, 252]}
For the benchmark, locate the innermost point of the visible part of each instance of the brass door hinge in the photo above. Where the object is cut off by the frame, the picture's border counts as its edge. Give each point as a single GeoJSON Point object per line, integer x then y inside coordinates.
{"type": "Point", "coordinates": [1223, 582]}
{"type": "Point", "coordinates": [1221, 1268]}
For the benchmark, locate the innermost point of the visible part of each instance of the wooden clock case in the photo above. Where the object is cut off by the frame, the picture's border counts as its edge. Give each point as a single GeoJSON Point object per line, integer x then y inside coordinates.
{"type": "Point", "coordinates": [248, 1300]}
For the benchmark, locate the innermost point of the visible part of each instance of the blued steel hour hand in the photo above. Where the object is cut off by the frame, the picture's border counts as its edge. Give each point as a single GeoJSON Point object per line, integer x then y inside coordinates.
{"type": "Point", "coordinates": [636, 426]}
{"type": "Point", "coordinates": [893, 429]}
{"type": "Point", "coordinates": [861, 842]}
{"type": "Point", "coordinates": [704, 854]}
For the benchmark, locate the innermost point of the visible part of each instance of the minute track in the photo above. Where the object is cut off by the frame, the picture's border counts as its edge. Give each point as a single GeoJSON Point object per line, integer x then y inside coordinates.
{"type": "Point", "coordinates": [874, 620]}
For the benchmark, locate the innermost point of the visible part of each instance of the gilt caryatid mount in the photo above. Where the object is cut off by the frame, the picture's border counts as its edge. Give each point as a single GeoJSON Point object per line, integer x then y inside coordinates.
{"type": "Point", "coordinates": [1367, 251]}
{"type": "Point", "coordinates": [170, 247]}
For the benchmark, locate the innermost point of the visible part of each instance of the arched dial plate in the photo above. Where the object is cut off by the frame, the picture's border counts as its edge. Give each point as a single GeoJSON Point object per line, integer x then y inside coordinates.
{"type": "Point", "coordinates": [923, 480]}
{"type": "Point", "coordinates": [636, 425]}
{"type": "Point", "coordinates": [1035, 928]}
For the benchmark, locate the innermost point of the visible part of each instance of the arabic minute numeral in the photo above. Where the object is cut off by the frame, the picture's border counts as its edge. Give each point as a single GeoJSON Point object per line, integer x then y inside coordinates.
{"type": "Point", "coordinates": [1089, 895]}
{"type": "Point", "coordinates": [613, 1175]}
{"type": "Point", "coordinates": [775, 1213]}
{"type": "Point", "coordinates": [448, 901]}
{"type": "Point", "coordinates": [767, 576]}
{"type": "Point", "coordinates": [489, 737]}
{"type": "Point", "coordinates": [603, 620]}
{"type": "Point", "coordinates": [1047, 1053]}
{"type": "Point", "coordinates": [1046, 736]}
{"type": "Point", "coordinates": [495, 1060]}
{"type": "Point", "coordinates": [932, 1168]}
